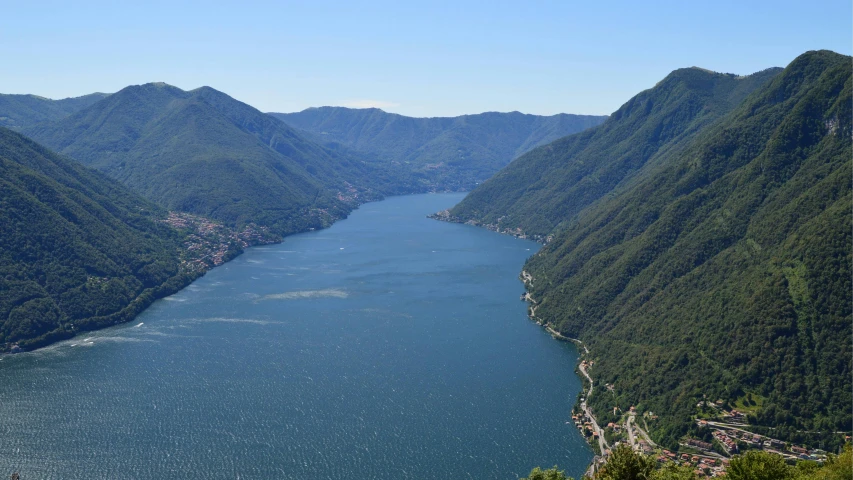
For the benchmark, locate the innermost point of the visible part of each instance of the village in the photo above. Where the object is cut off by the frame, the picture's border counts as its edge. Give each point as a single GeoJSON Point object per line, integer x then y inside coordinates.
{"type": "Point", "coordinates": [708, 459]}
{"type": "Point", "coordinates": [209, 244]}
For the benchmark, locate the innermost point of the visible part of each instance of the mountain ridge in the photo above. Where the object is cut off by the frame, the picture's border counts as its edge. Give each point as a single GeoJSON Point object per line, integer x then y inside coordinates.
{"type": "Point", "coordinates": [579, 169]}
{"type": "Point", "coordinates": [203, 152]}
{"type": "Point", "coordinates": [719, 271]}
{"type": "Point", "coordinates": [19, 111]}
{"type": "Point", "coordinates": [445, 153]}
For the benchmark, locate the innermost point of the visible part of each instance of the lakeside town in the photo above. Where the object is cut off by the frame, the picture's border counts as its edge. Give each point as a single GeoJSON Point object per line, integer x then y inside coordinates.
{"type": "Point", "coordinates": [729, 430]}
{"type": "Point", "coordinates": [209, 244]}
{"type": "Point", "coordinates": [704, 457]}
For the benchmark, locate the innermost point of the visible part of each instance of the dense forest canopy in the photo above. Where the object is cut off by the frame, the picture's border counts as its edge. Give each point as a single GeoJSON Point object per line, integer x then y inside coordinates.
{"type": "Point", "coordinates": [79, 251]}
{"type": "Point", "coordinates": [541, 190]}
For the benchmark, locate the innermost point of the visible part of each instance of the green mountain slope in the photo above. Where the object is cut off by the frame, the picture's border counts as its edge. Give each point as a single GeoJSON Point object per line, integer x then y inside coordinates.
{"type": "Point", "coordinates": [78, 250]}
{"type": "Point", "coordinates": [551, 184]}
{"type": "Point", "coordinates": [205, 153]}
{"type": "Point", "coordinates": [19, 111]}
{"type": "Point", "coordinates": [726, 271]}
{"type": "Point", "coordinates": [444, 153]}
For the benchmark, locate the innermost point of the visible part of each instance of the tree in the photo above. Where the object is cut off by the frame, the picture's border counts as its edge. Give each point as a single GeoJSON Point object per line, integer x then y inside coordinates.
{"type": "Point", "coordinates": [836, 467]}
{"type": "Point", "coordinates": [550, 474]}
{"type": "Point", "coordinates": [625, 464]}
{"type": "Point", "coordinates": [758, 465]}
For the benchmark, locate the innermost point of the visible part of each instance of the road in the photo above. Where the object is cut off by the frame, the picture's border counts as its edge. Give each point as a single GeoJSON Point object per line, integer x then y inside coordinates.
{"type": "Point", "coordinates": [646, 437]}
{"type": "Point", "coordinates": [628, 429]}
{"type": "Point", "coordinates": [602, 443]}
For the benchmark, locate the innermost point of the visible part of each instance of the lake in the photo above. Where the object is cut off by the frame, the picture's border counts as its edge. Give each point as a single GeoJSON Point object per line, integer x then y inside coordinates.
{"type": "Point", "coordinates": [387, 346]}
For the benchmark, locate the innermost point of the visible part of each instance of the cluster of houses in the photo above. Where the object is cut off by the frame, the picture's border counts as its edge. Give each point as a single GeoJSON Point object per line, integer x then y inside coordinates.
{"type": "Point", "coordinates": [210, 242]}
{"type": "Point", "coordinates": [732, 416]}
{"type": "Point", "coordinates": [729, 444]}
{"type": "Point", "coordinates": [584, 424]}
{"type": "Point", "coordinates": [729, 438]}
{"type": "Point", "coordinates": [704, 466]}
{"type": "Point", "coordinates": [350, 195]}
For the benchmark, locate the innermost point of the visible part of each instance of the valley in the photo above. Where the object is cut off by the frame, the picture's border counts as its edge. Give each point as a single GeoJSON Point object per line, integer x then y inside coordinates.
{"type": "Point", "coordinates": [695, 247]}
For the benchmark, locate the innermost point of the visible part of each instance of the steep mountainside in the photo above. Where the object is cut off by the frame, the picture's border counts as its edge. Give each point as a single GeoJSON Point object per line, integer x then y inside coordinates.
{"type": "Point", "coordinates": [205, 153]}
{"type": "Point", "coordinates": [19, 111]}
{"type": "Point", "coordinates": [551, 184]}
{"type": "Point", "coordinates": [726, 271]}
{"type": "Point", "coordinates": [444, 153]}
{"type": "Point", "coordinates": [78, 250]}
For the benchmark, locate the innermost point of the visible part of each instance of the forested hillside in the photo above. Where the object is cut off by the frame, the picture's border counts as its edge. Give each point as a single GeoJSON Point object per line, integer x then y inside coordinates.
{"type": "Point", "coordinates": [551, 184]}
{"type": "Point", "coordinates": [724, 269]}
{"type": "Point", "coordinates": [444, 153]}
{"type": "Point", "coordinates": [19, 111]}
{"type": "Point", "coordinates": [205, 153]}
{"type": "Point", "coordinates": [78, 251]}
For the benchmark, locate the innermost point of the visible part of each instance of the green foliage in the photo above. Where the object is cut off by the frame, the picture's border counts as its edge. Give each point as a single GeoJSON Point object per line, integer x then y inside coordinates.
{"type": "Point", "coordinates": [836, 467]}
{"type": "Point", "coordinates": [721, 267]}
{"type": "Point", "coordinates": [625, 464]}
{"type": "Point", "coordinates": [78, 251]}
{"type": "Point", "coordinates": [671, 471]}
{"type": "Point", "coordinates": [443, 153]}
{"type": "Point", "coordinates": [757, 465]}
{"type": "Point", "coordinates": [550, 474]}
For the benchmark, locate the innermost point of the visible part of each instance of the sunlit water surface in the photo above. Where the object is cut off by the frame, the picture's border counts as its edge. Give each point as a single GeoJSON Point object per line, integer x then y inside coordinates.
{"type": "Point", "coordinates": [387, 346]}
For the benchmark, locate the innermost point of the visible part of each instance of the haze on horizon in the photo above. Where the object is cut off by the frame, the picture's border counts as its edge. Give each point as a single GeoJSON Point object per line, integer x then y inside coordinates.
{"type": "Point", "coordinates": [418, 59]}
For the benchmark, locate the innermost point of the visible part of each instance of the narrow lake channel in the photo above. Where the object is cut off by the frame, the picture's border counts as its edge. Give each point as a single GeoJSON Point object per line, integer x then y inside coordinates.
{"type": "Point", "coordinates": [387, 346]}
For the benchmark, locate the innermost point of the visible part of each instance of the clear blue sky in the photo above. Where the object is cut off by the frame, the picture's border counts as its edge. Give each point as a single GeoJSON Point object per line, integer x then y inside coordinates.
{"type": "Point", "coordinates": [430, 58]}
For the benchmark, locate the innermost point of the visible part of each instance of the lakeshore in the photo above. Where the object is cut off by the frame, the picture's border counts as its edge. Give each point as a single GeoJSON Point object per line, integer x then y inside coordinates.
{"type": "Point", "coordinates": [353, 351]}
{"type": "Point", "coordinates": [730, 435]}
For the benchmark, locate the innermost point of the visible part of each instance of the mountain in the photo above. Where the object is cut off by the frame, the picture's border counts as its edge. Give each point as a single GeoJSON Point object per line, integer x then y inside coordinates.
{"type": "Point", "coordinates": [19, 111]}
{"type": "Point", "coordinates": [450, 153]}
{"type": "Point", "coordinates": [205, 153]}
{"type": "Point", "coordinates": [721, 269]}
{"type": "Point", "coordinates": [78, 251]}
{"type": "Point", "coordinates": [552, 183]}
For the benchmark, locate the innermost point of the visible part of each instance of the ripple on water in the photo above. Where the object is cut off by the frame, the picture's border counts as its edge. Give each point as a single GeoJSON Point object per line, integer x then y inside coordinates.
{"type": "Point", "coordinates": [445, 375]}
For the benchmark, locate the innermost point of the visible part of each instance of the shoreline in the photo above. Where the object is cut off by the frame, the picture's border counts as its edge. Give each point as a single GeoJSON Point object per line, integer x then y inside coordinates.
{"type": "Point", "coordinates": [184, 278]}
{"type": "Point", "coordinates": [189, 270]}
{"type": "Point", "coordinates": [445, 216]}
{"type": "Point", "coordinates": [583, 397]}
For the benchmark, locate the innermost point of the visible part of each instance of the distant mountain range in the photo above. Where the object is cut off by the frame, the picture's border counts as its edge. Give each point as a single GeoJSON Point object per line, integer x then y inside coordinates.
{"type": "Point", "coordinates": [205, 153]}
{"type": "Point", "coordinates": [18, 111]}
{"type": "Point", "coordinates": [444, 153]}
{"type": "Point", "coordinates": [82, 250]}
{"type": "Point", "coordinates": [701, 246]}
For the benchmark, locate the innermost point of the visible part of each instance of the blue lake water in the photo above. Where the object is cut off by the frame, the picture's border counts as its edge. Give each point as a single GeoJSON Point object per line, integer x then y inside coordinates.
{"type": "Point", "coordinates": [387, 346]}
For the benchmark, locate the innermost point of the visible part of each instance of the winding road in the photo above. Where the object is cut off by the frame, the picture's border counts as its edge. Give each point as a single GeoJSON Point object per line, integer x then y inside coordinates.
{"type": "Point", "coordinates": [602, 443]}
